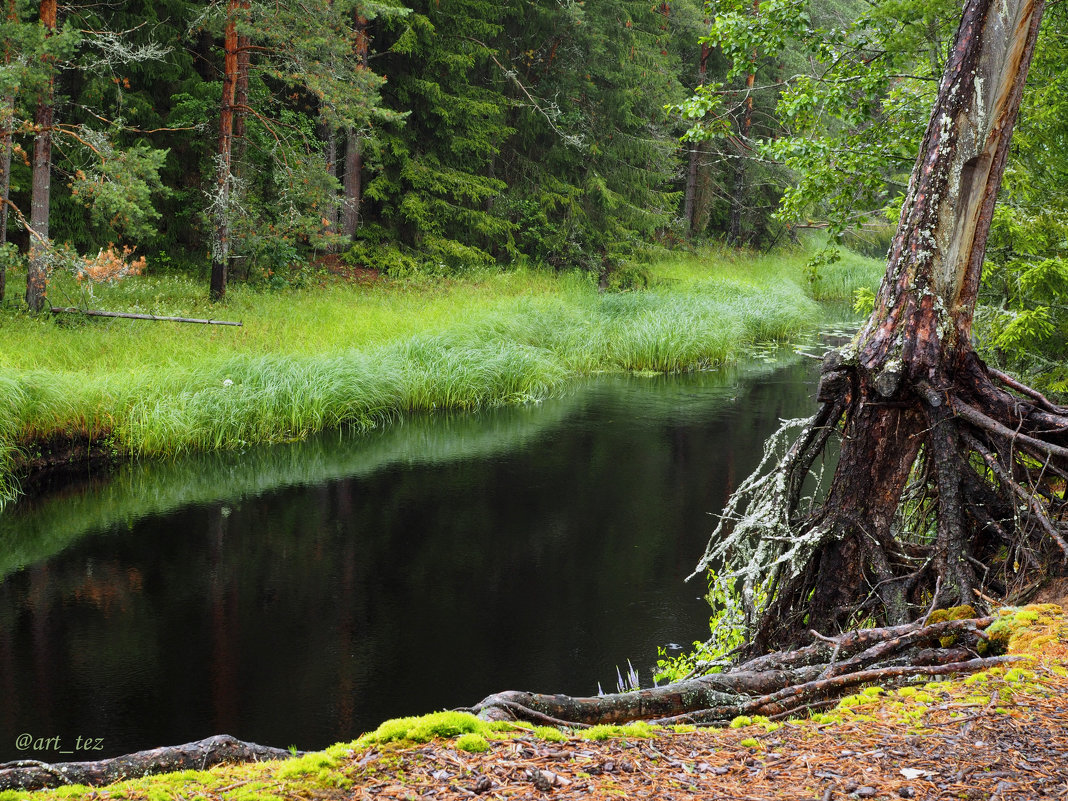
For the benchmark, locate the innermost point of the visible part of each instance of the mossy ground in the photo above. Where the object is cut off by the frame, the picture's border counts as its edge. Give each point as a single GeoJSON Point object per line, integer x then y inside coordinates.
{"type": "Point", "coordinates": [966, 737]}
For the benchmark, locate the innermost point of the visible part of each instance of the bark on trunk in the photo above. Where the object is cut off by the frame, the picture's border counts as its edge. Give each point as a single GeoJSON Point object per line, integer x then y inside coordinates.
{"type": "Point", "coordinates": [220, 246]}
{"type": "Point", "coordinates": [330, 154]}
{"type": "Point", "coordinates": [244, 63]}
{"type": "Point", "coordinates": [350, 208]}
{"type": "Point", "coordinates": [5, 152]}
{"type": "Point", "coordinates": [908, 513]}
{"type": "Point", "coordinates": [740, 188]}
{"type": "Point", "coordinates": [352, 187]}
{"type": "Point", "coordinates": [37, 269]}
{"type": "Point", "coordinates": [689, 202]}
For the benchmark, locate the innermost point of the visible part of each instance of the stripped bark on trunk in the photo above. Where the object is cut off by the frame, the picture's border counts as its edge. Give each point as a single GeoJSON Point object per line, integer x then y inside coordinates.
{"type": "Point", "coordinates": [220, 246]}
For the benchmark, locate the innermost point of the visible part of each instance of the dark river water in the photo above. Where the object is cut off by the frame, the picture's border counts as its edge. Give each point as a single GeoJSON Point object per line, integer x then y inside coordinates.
{"type": "Point", "coordinates": [300, 595]}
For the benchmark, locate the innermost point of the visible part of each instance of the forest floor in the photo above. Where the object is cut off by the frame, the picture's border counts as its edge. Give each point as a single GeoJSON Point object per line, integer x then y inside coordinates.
{"type": "Point", "coordinates": [1000, 734]}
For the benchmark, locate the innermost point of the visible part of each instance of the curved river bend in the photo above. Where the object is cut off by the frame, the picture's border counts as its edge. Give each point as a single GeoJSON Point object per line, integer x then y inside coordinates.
{"type": "Point", "coordinates": [303, 594]}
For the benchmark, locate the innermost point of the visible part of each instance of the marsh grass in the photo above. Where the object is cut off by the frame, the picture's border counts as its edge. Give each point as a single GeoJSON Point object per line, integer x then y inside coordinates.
{"type": "Point", "coordinates": [345, 355]}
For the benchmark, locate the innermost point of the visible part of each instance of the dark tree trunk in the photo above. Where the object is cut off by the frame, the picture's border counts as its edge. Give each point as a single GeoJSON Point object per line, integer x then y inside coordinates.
{"type": "Point", "coordinates": [740, 189]}
{"type": "Point", "coordinates": [332, 212]}
{"type": "Point", "coordinates": [352, 187]}
{"type": "Point", "coordinates": [689, 202]}
{"type": "Point", "coordinates": [8, 124]}
{"type": "Point", "coordinates": [41, 182]}
{"type": "Point", "coordinates": [220, 246]}
{"type": "Point", "coordinates": [350, 207]}
{"type": "Point", "coordinates": [911, 512]}
{"type": "Point", "coordinates": [244, 63]}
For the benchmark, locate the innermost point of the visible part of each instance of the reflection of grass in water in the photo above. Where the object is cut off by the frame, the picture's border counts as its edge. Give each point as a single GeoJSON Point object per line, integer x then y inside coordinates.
{"type": "Point", "coordinates": [36, 529]}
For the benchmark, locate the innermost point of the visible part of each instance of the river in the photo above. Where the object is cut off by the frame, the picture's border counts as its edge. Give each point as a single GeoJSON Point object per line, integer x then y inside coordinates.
{"type": "Point", "coordinates": [301, 594]}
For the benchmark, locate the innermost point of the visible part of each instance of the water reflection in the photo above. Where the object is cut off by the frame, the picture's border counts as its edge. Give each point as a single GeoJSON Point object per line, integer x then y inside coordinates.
{"type": "Point", "coordinates": [302, 594]}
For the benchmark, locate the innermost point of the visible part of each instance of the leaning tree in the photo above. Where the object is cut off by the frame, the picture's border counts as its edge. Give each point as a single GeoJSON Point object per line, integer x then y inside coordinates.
{"type": "Point", "coordinates": [950, 483]}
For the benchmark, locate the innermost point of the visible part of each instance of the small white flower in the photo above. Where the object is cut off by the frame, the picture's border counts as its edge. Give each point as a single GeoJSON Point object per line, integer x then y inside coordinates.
{"type": "Point", "coordinates": [228, 383]}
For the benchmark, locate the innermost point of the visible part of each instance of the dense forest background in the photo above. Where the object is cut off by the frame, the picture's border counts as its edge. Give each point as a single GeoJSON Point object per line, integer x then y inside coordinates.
{"type": "Point", "coordinates": [432, 136]}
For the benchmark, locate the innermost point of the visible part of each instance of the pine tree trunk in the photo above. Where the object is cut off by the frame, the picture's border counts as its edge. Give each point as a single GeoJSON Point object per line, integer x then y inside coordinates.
{"type": "Point", "coordinates": [352, 187]}
{"type": "Point", "coordinates": [740, 188]}
{"type": "Point", "coordinates": [330, 153]}
{"type": "Point", "coordinates": [5, 153]}
{"type": "Point", "coordinates": [244, 63]}
{"type": "Point", "coordinates": [689, 202]}
{"type": "Point", "coordinates": [350, 208]}
{"type": "Point", "coordinates": [919, 408]}
{"type": "Point", "coordinates": [41, 182]}
{"type": "Point", "coordinates": [220, 246]}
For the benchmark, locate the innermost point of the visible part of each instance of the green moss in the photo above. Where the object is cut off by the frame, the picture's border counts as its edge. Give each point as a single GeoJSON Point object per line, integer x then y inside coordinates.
{"type": "Point", "coordinates": [601, 732]}
{"type": "Point", "coordinates": [751, 742]}
{"type": "Point", "coordinates": [641, 728]}
{"type": "Point", "coordinates": [309, 763]}
{"type": "Point", "coordinates": [550, 733]}
{"type": "Point", "coordinates": [1011, 623]}
{"type": "Point", "coordinates": [683, 728]}
{"type": "Point", "coordinates": [952, 613]}
{"type": "Point", "coordinates": [426, 728]}
{"type": "Point", "coordinates": [1016, 675]}
{"type": "Point", "coordinates": [853, 700]}
{"type": "Point", "coordinates": [475, 743]}
{"type": "Point", "coordinates": [638, 728]}
{"type": "Point", "coordinates": [741, 721]}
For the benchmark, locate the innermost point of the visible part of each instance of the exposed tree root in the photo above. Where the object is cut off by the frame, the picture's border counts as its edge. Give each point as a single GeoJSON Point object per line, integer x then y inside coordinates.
{"type": "Point", "coordinates": [947, 497]}
{"type": "Point", "coordinates": [199, 755]}
{"type": "Point", "coordinates": [778, 684]}
{"type": "Point", "coordinates": [950, 485]}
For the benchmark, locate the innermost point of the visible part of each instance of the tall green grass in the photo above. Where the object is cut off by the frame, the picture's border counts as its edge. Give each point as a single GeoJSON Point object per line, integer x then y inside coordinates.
{"type": "Point", "coordinates": [344, 355]}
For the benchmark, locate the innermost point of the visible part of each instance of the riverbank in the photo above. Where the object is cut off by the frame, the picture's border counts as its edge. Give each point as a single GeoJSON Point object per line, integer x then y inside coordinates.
{"type": "Point", "coordinates": [357, 354]}
{"type": "Point", "coordinates": [1001, 733]}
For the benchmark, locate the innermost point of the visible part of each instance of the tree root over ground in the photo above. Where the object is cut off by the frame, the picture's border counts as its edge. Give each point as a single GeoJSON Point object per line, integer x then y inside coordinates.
{"type": "Point", "coordinates": [773, 685]}
{"type": "Point", "coordinates": [217, 750]}
{"type": "Point", "coordinates": [956, 747]}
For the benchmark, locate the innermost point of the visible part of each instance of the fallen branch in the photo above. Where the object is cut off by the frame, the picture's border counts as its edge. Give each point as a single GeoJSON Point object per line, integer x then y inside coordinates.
{"type": "Point", "coordinates": [222, 748]}
{"type": "Point", "coordinates": [130, 316]}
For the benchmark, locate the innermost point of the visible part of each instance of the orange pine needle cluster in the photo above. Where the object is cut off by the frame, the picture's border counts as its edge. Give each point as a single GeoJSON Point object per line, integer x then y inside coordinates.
{"type": "Point", "coordinates": [110, 265]}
